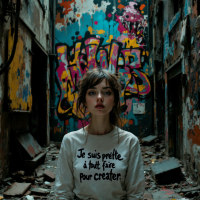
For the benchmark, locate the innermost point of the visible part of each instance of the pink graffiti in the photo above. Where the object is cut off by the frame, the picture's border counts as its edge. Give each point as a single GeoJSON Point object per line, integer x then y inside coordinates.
{"type": "Point", "coordinates": [133, 22]}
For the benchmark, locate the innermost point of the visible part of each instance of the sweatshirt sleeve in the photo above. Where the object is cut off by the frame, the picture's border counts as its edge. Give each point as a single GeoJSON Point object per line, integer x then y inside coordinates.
{"type": "Point", "coordinates": [135, 181]}
{"type": "Point", "coordinates": [64, 183]}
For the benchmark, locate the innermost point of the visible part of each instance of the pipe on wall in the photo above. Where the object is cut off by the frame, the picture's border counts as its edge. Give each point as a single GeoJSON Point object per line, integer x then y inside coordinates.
{"type": "Point", "coordinates": [154, 81]}
{"type": "Point", "coordinates": [52, 87]}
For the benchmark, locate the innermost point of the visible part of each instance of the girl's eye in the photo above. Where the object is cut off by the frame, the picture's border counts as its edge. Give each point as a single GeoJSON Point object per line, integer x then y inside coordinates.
{"type": "Point", "coordinates": [91, 93]}
{"type": "Point", "coordinates": [107, 93]}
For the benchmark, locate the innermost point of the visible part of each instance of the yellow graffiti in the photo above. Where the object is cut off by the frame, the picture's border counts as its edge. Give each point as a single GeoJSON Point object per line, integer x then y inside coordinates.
{"type": "Point", "coordinates": [110, 38]}
{"type": "Point", "coordinates": [100, 31]}
{"type": "Point", "coordinates": [92, 31]}
{"type": "Point", "coordinates": [61, 49]}
{"type": "Point", "coordinates": [130, 43]}
{"type": "Point", "coordinates": [124, 121]}
{"type": "Point", "coordinates": [19, 84]}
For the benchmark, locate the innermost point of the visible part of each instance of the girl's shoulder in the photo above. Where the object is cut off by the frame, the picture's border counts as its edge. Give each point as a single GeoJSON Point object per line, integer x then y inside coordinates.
{"type": "Point", "coordinates": [74, 135]}
{"type": "Point", "coordinates": [126, 135]}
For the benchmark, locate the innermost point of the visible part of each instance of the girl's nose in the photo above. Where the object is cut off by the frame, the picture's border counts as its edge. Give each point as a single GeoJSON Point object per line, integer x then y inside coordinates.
{"type": "Point", "coordinates": [99, 96]}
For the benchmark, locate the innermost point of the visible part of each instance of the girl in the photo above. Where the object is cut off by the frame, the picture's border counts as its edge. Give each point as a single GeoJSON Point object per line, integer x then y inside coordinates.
{"type": "Point", "coordinates": [100, 161]}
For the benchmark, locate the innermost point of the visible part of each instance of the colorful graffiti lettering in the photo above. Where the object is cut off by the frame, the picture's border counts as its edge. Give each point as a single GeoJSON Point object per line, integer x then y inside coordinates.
{"type": "Point", "coordinates": [87, 54]}
{"type": "Point", "coordinates": [107, 34]}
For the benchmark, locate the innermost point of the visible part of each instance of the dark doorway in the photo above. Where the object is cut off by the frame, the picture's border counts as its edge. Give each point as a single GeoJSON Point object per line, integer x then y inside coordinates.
{"type": "Point", "coordinates": [160, 95]}
{"type": "Point", "coordinates": [175, 125]}
{"type": "Point", "coordinates": [38, 118]}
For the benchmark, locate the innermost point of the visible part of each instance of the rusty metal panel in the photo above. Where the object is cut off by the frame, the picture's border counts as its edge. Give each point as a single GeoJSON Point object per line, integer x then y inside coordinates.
{"type": "Point", "coordinates": [29, 143]}
{"type": "Point", "coordinates": [19, 75]}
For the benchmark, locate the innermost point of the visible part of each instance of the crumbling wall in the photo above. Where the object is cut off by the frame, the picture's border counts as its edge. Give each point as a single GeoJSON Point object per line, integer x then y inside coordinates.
{"type": "Point", "coordinates": [181, 47]}
{"type": "Point", "coordinates": [15, 84]}
{"type": "Point", "coordinates": [191, 104]}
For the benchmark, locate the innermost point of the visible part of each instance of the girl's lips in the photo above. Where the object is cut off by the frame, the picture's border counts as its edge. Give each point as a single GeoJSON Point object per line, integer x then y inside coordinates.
{"type": "Point", "coordinates": [99, 106]}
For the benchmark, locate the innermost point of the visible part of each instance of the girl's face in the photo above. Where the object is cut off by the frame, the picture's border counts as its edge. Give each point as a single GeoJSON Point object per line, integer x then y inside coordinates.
{"type": "Point", "coordinates": [100, 99]}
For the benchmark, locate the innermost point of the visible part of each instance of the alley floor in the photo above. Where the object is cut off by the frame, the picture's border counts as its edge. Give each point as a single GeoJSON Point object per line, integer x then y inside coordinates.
{"type": "Point", "coordinates": [41, 182]}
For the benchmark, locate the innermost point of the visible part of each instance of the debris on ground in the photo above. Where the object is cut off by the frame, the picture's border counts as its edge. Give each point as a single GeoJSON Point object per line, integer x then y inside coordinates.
{"type": "Point", "coordinates": [38, 184]}
{"type": "Point", "coordinates": [42, 180]}
{"type": "Point", "coordinates": [153, 153]}
{"type": "Point", "coordinates": [165, 194]}
{"type": "Point", "coordinates": [148, 140]}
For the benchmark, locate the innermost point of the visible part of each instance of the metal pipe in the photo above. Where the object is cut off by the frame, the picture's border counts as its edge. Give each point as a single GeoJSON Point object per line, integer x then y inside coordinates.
{"type": "Point", "coordinates": [53, 66]}
{"type": "Point", "coordinates": [154, 81]}
{"type": "Point", "coordinates": [7, 64]}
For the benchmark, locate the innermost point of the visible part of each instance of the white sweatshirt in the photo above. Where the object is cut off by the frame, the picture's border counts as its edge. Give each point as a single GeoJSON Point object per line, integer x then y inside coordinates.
{"type": "Point", "coordinates": [101, 168]}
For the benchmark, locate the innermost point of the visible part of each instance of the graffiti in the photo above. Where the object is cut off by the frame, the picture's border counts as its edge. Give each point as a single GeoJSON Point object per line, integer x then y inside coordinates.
{"type": "Point", "coordinates": [88, 53]}
{"type": "Point", "coordinates": [100, 33]}
{"type": "Point", "coordinates": [133, 22]}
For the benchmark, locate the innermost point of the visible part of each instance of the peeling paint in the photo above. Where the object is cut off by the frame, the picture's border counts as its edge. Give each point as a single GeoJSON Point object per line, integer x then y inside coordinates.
{"type": "Point", "coordinates": [19, 75]}
{"type": "Point", "coordinates": [174, 21]}
{"type": "Point", "coordinates": [167, 49]}
{"type": "Point", "coordinates": [187, 8]}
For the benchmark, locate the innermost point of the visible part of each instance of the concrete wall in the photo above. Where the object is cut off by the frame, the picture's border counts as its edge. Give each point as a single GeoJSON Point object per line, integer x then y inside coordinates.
{"type": "Point", "coordinates": [114, 35]}
{"type": "Point", "coordinates": [16, 83]}
{"type": "Point", "coordinates": [180, 76]}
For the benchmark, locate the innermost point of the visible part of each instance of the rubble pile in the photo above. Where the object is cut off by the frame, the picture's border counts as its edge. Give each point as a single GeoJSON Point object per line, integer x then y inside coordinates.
{"type": "Point", "coordinates": [180, 187]}
{"type": "Point", "coordinates": [36, 185]}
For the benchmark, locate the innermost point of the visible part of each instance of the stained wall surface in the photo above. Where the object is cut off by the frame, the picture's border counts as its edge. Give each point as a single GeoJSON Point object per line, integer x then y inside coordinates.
{"type": "Point", "coordinates": [114, 35]}
{"type": "Point", "coordinates": [177, 30]}
{"type": "Point", "coordinates": [16, 98]}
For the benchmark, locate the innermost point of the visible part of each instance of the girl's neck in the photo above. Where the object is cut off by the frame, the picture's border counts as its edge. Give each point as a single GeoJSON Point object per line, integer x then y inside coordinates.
{"type": "Point", "coordinates": [100, 125]}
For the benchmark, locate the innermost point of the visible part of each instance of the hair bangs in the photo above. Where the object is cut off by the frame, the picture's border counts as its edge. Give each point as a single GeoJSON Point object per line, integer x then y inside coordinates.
{"type": "Point", "coordinates": [97, 78]}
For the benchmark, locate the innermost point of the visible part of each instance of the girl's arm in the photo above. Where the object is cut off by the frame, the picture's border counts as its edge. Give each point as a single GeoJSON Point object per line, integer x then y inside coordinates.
{"type": "Point", "coordinates": [64, 183]}
{"type": "Point", "coordinates": [135, 184]}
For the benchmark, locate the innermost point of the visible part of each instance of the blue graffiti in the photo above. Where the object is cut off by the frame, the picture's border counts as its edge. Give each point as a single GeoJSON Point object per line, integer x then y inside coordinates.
{"type": "Point", "coordinates": [25, 93]}
{"type": "Point", "coordinates": [167, 48]}
{"type": "Point", "coordinates": [186, 7]}
{"type": "Point", "coordinates": [174, 21]}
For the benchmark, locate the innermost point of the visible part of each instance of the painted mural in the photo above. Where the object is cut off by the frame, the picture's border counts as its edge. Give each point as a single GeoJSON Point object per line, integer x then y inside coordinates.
{"type": "Point", "coordinates": [111, 34]}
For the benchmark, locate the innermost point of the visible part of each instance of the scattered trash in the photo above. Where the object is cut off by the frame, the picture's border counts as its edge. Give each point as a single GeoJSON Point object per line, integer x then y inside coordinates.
{"type": "Point", "coordinates": [166, 194]}
{"type": "Point", "coordinates": [21, 172]}
{"type": "Point", "coordinates": [40, 190]}
{"type": "Point", "coordinates": [28, 197]}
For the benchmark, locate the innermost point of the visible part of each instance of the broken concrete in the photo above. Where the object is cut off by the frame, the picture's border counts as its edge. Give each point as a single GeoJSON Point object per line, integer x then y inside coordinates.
{"type": "Point", "coordinates": [165, 194]}
{"type": "Point", "coordinates": [148, 140]}
{"type": "Point", "coordinates": [166, 171]}
{"type": "Point", "coordinates": [50, 175]}
{"type": "Point", "coordinates": [39, 190]}
{"type": "Point", "coordinates": [17, 189]}
{"type": "Point", "coordinates": [190, 189]}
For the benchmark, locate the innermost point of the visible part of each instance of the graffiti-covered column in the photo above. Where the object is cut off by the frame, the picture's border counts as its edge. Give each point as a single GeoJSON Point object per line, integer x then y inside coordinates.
{"type": "Point", "coordinates": [112, 35]}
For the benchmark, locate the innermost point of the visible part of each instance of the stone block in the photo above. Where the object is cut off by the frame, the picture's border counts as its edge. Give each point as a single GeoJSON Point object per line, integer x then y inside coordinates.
{"type": "Point", "coordinates": [167, 171]}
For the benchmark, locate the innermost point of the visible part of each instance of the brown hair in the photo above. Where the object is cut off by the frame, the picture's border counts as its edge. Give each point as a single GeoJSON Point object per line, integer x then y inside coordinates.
{"type": "Point", "coordinates": [92, 78]}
